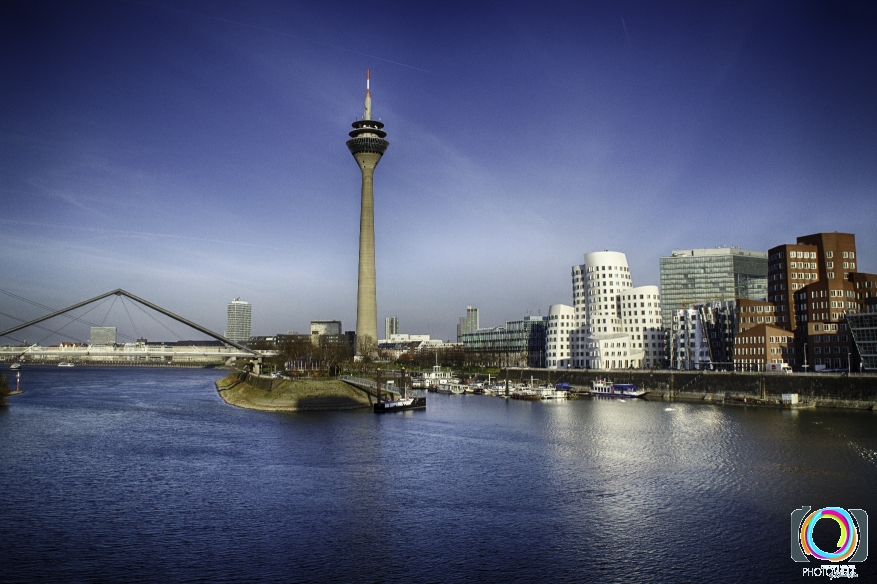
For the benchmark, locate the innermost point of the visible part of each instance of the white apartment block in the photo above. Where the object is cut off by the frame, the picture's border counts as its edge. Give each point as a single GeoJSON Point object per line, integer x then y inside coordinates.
{"type": "Point", "coordinates": [559, 336]}
{"type": "Point", "coordinates": [239, 321]}
{"type": "Point", "coordinates": [641, 315]}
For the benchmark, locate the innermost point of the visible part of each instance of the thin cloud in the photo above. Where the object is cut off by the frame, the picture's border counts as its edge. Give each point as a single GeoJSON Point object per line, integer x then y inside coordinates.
{"type": "Point", "coordinates": [103, 230]}
{"type": "Point", "coordinates": [280, 33]}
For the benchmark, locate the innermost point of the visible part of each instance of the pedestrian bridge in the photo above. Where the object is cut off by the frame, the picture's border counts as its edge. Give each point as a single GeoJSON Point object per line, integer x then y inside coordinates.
{"type": "Point", "coordinates": [129, 353]}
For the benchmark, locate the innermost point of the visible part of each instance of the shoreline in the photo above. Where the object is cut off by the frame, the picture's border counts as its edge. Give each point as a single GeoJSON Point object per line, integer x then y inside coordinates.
{"type": "Point", "coordinates": [247, 391]}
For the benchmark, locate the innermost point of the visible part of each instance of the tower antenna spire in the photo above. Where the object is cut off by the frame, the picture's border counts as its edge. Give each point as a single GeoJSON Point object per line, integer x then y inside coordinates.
{"type": "Point", "coordinates": [368, 97]}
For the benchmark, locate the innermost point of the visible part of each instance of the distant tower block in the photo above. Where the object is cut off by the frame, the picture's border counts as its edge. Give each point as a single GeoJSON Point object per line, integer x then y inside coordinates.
{"type": "Point", "coordinates": [367, 145]}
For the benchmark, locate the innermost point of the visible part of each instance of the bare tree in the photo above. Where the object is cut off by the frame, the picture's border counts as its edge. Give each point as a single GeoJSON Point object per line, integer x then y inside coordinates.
{"type": "Point", "coordinates": [366, 348]}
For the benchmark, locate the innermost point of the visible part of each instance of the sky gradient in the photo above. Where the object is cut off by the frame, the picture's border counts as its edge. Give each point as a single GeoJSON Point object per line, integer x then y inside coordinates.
{"type": "Point", "coordinates": [193, 152]}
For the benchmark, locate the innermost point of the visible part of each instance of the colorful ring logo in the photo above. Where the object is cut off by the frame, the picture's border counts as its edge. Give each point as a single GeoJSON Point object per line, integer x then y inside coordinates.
{"type": "Point", "coordinates": [846, 543]}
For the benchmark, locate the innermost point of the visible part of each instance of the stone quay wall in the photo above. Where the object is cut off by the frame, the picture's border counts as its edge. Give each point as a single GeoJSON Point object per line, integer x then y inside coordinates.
{"type": "Point", "coordinates": [822, 389]}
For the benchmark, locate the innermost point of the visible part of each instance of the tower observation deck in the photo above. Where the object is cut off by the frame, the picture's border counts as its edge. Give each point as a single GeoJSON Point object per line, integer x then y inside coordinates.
{"type": "Point", "coordinates": [367, 144]}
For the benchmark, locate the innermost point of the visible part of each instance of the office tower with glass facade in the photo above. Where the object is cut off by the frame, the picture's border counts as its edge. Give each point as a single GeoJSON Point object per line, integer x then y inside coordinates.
{"type": "Point", "coordinates": [239, 321]}
{"type": "Point", "coordinates": [695, 276]}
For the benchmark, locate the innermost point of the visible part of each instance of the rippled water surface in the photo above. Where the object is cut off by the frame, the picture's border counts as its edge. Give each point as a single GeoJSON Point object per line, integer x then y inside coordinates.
{"type": "Point", "coordinates": [146, 475]}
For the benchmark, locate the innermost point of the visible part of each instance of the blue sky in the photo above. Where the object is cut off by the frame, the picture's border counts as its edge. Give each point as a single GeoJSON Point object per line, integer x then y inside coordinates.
{"type": "Point", "coordinates": [192, 152]}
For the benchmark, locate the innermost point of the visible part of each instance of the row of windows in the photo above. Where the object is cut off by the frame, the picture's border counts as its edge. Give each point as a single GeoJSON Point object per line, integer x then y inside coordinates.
{"type": "Point", "coordinates": [611, 268]}
{"type": "Point", "coordinates": [748, 351]}
{"type": "Point", "coordinates": [818, 350]}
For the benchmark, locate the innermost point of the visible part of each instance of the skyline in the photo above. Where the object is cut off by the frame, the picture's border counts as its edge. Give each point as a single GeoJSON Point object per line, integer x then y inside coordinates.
{"type": "Point", "coordinates": [193, 152]}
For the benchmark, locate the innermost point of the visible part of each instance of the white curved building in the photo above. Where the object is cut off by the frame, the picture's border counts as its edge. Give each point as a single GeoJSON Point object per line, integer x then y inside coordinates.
{"type": "Point", "coordinates": [613, 324]}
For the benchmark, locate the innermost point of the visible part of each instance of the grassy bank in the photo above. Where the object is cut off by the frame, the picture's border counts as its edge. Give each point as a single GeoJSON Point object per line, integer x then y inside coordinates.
{"type": "Point", "coordinates": [292, 395]}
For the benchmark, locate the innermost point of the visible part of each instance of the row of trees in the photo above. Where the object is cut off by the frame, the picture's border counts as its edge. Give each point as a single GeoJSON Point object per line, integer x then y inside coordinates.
{"type": "Point", "coordinates": [331, 354]}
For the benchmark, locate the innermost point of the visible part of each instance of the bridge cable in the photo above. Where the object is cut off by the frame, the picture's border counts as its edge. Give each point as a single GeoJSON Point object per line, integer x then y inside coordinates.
{"type": "Point", "coordinates": [108, 311]}
{"type": "Point", "coordinates": [179, 338]}
{"type": "Point", "coordinates": [65, 335]}
{"type": "Point", "coordinates": [50, 309]}
{"type": "Point", "coordinates": [76, 319]}
{"type": "Point", "coordinates": [131, 320]}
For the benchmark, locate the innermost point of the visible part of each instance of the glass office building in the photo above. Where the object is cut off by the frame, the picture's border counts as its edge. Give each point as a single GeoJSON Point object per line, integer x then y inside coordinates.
{"type": "Point", "coordinates": [863, 326]}
{"type": "Point", "coordinates": [518, 343]}
{"type": "Point", "coordinates": [695, 276]}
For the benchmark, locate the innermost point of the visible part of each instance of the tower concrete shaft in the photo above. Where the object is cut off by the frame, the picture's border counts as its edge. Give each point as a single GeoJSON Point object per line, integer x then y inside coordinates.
{"type": "Point", "coordinates": [367, 145]}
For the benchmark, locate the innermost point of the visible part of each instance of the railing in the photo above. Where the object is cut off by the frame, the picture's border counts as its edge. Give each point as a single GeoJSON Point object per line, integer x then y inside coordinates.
{"type": "Point", "coordinates": [371, 384]}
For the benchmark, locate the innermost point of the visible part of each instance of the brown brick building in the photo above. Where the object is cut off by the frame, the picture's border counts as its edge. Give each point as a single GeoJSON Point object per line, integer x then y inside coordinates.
{"type": "Point", "coordinates": [764, 343]}
{"type": "Point", "coordinates": [813, 284]}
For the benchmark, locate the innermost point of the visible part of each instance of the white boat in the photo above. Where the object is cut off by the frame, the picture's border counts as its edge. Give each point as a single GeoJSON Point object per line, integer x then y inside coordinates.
{"type": "Point", "coordinates": [65, 364]}
{"type": "Point", "coordinates": [453, 388]}
{"type": "Point", "coordinates": [553, 393]}
{"type": "Point", "coordinates": [15, 366]}
{"type": "Point", "coordinates": [605, 388]}
{"type": "Point", "coordinates": [398, 405]}
{"type": "Point", "coordinates": [436, 378]}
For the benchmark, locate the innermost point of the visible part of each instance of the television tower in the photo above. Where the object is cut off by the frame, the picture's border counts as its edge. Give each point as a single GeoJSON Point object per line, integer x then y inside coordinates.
{"type": "Point", "coordinates": [367, 145]}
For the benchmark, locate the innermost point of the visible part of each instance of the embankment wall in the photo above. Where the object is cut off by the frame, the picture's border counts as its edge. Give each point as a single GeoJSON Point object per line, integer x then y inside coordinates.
{"type": "Point", "coordinates": [824, 390]}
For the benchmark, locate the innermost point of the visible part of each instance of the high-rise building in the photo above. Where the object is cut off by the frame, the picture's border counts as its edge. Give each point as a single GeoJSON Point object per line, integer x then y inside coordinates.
{"type": "Point", "coordinates": [367, 144]}
{"type": "Point", "coordinates": [103, 335]}
{"type": "Point", "coordinates": [695, 276]}
{"type": "Point", "coordinates": [813, 284]}
{"type": "Point", "coordinates": [469, 323]}
{"type": "Point", "coordinates": [391, 326]}
{"type": "Point", "coordinates": [239, 321]}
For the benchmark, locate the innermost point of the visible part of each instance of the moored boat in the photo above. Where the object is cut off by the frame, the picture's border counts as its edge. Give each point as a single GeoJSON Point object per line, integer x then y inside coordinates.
{"type": "Point", "coordinates": [433, 380]}
{"type": "Point", "coordinates": [65, 364]}
{"type": "Point", "coordinates": [398, 405]}
{"type": "Point", "coordinates": [526, 394]}
{"type": "Point", "coordinates": [605, 388]}
{"type": "Point", "coordinates": [452, 388]}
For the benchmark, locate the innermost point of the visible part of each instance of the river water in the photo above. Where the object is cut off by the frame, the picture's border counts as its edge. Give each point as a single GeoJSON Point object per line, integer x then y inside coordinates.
{"type": "Point", "coordinates": [147, 475]}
